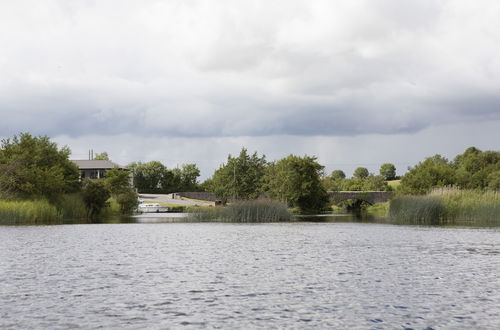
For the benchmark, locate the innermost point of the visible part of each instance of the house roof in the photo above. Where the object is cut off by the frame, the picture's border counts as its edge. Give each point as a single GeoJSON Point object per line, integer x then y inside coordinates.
{"type": "Point", "coordinates": [96, 164]}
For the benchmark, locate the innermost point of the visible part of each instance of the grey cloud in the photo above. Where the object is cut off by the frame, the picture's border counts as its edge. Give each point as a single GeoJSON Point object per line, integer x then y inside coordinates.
{"type": "Point", "coordinates": [228, 69]}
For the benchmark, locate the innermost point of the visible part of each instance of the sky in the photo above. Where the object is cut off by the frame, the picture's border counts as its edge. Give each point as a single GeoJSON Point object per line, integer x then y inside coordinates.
{"type": "Point", "coordinates": [352, 82]}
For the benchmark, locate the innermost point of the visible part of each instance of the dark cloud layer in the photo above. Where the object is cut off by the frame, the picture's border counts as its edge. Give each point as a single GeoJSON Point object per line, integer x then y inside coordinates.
{"type": "Point", "coordinates": [246, 68]}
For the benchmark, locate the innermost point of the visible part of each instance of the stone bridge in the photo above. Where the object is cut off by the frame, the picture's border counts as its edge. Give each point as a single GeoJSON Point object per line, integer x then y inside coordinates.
{"type": "Point", "coordinates": [371, 197]}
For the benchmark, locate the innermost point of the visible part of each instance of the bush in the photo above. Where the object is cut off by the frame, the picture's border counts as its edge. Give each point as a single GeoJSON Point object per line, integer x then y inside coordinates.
{"type": "Point", "coordinates": [127, 201]}
{"type": "Point", "coordinates": [95, 195]}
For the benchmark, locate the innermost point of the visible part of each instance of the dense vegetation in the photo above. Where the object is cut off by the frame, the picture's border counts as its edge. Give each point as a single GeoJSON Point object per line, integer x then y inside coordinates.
{"type": "Point", "coordinates": [474, 169]}
{"type": "Point", "coordinates": [154, 177]}
{"type": "Point", "coordinates": [39, 183]}
{"type": "Point", "coordinates": [447, 206]}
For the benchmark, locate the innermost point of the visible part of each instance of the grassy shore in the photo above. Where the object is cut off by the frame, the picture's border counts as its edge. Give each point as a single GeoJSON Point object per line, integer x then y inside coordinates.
{"type": "Point", "coordinates": [448, 206]}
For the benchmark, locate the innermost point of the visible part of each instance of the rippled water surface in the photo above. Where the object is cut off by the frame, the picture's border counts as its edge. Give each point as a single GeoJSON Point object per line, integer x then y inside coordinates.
{"type": "Point", "coordinates": [294, 275]}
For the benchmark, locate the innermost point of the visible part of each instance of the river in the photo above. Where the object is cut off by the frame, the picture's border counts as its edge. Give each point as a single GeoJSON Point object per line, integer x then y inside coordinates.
{"type": "Point", "coordinates": [222, 275]}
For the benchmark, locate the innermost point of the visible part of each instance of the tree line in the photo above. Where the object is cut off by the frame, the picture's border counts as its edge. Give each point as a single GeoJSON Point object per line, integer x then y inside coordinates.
{"type": "Point", "coordinates": [34, 167]}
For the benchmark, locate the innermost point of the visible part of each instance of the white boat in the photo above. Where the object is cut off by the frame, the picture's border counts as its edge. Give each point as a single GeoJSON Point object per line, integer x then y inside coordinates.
{"type": "Point", "coordinates": [152, 208]}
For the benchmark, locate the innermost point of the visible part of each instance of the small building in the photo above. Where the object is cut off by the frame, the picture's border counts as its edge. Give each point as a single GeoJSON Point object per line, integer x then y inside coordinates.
{"type": "Point", "coordinates": [95, 169]}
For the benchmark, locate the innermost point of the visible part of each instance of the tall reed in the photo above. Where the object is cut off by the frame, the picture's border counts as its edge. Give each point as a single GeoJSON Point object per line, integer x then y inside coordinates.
{"type": "Point", "coordinates": [448, 206]}
{"type": "Point", "coordinates": [246, 211]}
{"type": "Point", "coordinates": [466, 206]}
{"type": "Point", "coordinates": [423, 210]}
{"type": "Point", "coordinates": [28, 212]}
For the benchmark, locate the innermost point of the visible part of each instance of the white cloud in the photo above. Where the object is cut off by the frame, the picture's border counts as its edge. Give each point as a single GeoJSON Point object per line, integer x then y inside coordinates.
{"type": "Point", "coordinates": [323, 71]}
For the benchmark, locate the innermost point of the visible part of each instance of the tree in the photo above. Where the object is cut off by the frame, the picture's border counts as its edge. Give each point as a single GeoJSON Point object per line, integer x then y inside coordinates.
{"type": "Point", "coordinates": [361, 173]}
{"type": "Point", "coordinates": [296, 181]}
{"type": "Point", "coordinates": [35, 167]}
{"type": "Point", "coordinates": [118, 181]}
{"type": "Point", "coordinates": [95, 194]}
{"type": "Point", "coordinates": [148, 176]}
{"type": "Point", "coordinates": [189, 177]}
{"type": "Point", "coordinates": [433, 172]}
{"type": "Point", "coordinates": [388, 171]}
{"type": "Point", "coordinates": [474, 167]}
{"type": "Point", "coordinates": [338, 175]}
{"type": "Point", "coordinates": [240, 178]}
{"type": "Point", "coordinates": [102, 156]}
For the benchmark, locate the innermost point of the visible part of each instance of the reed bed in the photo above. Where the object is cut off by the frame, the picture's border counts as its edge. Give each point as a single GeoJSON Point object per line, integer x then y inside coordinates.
{"type": "Point", "coordinates": [28, 212]}
{"type": "Point", "coordinates": [448, 206]}
{"type": "Point", "coordinates": [245, 211]}
{"type": "Point", "coordinates": [71, 206]}
{"type": "Point", "coordinates": [466, 206]}
{"type": "Point", "coordinates": [423, 210]}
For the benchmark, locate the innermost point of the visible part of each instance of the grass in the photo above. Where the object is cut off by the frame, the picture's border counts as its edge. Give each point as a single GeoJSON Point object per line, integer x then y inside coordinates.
{"type": "Point", "coordinates": [66, 209]}
{"type": "Point", "coordinates": [448, 206]}
{"type": "Point", "coordinates": [394, 183]}
{"type": "Point", "coordinates": [246, 211]}
{"type": "Point", "coordinates": [28, 212]}
{"type": "Point", "coordinates": [379, 210]}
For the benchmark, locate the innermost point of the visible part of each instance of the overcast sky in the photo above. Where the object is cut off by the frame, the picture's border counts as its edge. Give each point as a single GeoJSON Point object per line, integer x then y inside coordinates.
{"type": "Point", "coordinates": [355, 83]}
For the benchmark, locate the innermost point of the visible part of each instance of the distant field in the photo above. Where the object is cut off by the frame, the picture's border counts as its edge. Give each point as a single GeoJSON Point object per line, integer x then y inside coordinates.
{"type": "Point", "coordinates": [394, 183]}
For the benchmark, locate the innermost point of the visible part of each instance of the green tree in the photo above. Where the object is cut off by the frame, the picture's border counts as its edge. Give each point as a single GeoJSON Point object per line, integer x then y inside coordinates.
{"type": "Point", "coordinates": [102, 156]}
{"type": "Point", "coordinates": [240, 178]}
{"type": "Point", "coordinates": [297, 181]}
{"type": "Point", "coordinates": [388, 171]}
{"type": "Point", "coordinates": [95, 195]}
{"type": "Point", "coordinates": [189, 177]}
{"type": "Point", "coordinates": [474, 167]}
{"type": "Point", "coordinates": [118, 180]}
{"type": "Point", "coordinates": [127, 200]}
{"type": "Point", "coordinates": [148, 176]}
{"type": "Point", "coordinates": [35, 167]}
{"type": "Point", "coordinates": [361, 173]}
{"type": "Point", "coordinates": [338, 175]}
{"type": "Point", "coordinates": [433, 172]}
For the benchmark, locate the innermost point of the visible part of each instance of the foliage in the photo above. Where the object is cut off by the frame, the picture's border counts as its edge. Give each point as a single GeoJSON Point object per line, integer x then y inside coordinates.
{"type": "Point", "coordinates": [476, 169]}
{"type": "Point", "coordinates": [95, 194]}
{"type": "Point", "coordinates": [102, 156]}
{"type": "Point", "coordinates": [361, 173]}
{"type": "Point", "coordinates": [246, 211]}
{"type": "Point", "coordinates": [388, 171]}
{"type": "Point", "coordinates": [127, 201]}
{"type": "Point", "coordinates": [370, 183]}
{"type": "Point", "coordinates": [240, 178]}
{"type": "Point", "coordinates": [296, 181]}
{"type": "Point", "coordinates": [189, 174]}
{"type": "Point", "coordinates": [154, 177]}
{"type": "Point", "coordinates": [338, 175]}
{"type": "Point", "coordinates": [118, 181]}
{"type": "Point", "coordinates": [148, 176]}
{"type": "Point", "coordinates": [35, 167]}
{"type": "Point", "coordinates": [433, 172]}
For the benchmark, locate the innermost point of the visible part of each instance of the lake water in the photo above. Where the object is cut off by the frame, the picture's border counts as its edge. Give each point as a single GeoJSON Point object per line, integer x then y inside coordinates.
{"type": "Point", "coordinates": [215, 275]}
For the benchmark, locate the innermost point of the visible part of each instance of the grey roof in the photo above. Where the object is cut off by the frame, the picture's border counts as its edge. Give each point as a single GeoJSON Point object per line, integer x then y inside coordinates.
{"type": "Point", "coordinates": [96, 164]}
